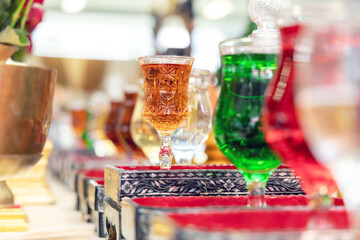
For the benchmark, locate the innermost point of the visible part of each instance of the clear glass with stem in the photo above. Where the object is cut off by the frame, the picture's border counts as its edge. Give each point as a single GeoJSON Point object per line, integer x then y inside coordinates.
{"type": "Point", "coordinates": [195, 129]}
{"type": "Point", "coordinates": [166, 82]}
{"type": "Point", "coordinates": [327, 99]}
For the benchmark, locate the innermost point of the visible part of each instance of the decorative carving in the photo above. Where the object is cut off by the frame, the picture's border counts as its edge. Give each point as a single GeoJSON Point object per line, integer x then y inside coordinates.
{"type": "Point", "coordinates": [196, 182]}
{"type": "Point", "coordinates": [206, 182]}
{"type": "Point", "coordinates": [165, 94]}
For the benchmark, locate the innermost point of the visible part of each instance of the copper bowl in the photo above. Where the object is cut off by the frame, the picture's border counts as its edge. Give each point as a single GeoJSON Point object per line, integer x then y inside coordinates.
{"type": "Point", "coordinates": [26, 100]}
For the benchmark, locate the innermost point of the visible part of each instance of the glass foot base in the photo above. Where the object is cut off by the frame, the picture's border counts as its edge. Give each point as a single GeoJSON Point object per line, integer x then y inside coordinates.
{"type": "Point", "coordinates": [256, 195]}
{"type": "Point", "coordinates": [165, 165]}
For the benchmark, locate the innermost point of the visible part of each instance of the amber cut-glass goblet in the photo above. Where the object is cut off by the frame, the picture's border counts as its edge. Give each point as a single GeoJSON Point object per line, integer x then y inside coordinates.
{"type": "Point", "coordinates": [166, 81]}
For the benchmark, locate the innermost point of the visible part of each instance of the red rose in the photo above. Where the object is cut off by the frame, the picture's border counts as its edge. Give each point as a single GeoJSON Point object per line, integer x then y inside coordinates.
{"type": "Point", "coordinates": [35, 17]}
{"type": "Point", "coordinates": [29, 48]}
{"type": "Point", "coordinates": [35, 1]}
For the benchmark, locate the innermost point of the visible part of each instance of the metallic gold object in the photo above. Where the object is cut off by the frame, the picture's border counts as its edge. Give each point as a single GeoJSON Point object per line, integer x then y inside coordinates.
{"type": "Point", "coordinates": [32, 188]}
{"type": "Point", "coordinates": [13, 220]}
{"type": "Point", "coordinates": [162, 228]}
{"type": "Point", "coordinates": [84, 74]}
{"type": "Point", "coordinates": [10, 166]}
{"type": "Point", "coordinates": [26, 99]}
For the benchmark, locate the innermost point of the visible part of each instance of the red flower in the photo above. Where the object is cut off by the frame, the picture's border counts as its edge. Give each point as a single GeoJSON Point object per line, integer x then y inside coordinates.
{"type": "Point", "coordinates": [35, 1]}
{"type": "Point", "coordinates": [35, 16]}
{"type": "Point", "coordinates": [29, 48]}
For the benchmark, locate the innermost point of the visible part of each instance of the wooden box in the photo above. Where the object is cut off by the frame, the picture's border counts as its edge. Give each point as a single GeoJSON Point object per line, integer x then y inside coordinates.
{"type": "Point", "coordinates": [82, 178]}
{"type": "Point", "coordinates": [201, 180]}
{"type": "Point", "coordinates": [64, 164]}
{"type": "Point", "coordinates": [138, 214]}
{"type": "Point", "coordinates": [290, 223]}
{"type": "Point", "coordinates": [96, 204]}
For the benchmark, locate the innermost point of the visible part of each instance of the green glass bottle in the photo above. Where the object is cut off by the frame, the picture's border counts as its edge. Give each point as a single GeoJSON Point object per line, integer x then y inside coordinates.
{"type": "Point", "coordinates": [237, 125]}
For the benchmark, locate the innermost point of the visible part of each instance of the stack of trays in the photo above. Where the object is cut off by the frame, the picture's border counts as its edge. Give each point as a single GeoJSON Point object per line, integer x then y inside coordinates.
{"type": "Point", "coordinates": [126, 182]}
{"type": "Point", "coordinates": [96, 204]}
{"type": "Point", "coordinates": [65, 165]}
{"type": "Point", "coordinates": [81, 187]}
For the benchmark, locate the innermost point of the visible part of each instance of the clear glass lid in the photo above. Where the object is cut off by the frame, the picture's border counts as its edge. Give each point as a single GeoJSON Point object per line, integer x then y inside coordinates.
{"type": "Point", "coordinates": [266, 38]}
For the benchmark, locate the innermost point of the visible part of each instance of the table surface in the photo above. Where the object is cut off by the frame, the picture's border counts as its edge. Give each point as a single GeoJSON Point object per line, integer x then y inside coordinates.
{"type": "Point", "coordinates": [58, 221]}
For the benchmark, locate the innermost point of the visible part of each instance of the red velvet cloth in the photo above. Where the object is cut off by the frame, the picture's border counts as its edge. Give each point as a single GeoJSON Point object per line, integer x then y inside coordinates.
{"type": "Point", "coordinates": [84, 159]}
{"type": "Point", "coordinates": [256, 219]}
{"type": "Point", "coordinates": [99, 173]}
{"type": "Point", "coordinates": [92, 173]}
{"type": "Point", "coordinates": [178, 167]}
{"type": "Point", "coordinates": [183, 167]}
{"type": "Point", "coordinates": [294, 217]}
{"type": "Point", "coordinates": [16, 206]}
{"type": "Point", "coordinates": [100, 182]}
{"type": "Point", "coordinates": [206, 201]}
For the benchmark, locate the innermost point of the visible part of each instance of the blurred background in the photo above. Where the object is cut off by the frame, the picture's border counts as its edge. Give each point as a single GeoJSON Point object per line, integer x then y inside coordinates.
{"type": "Point", "coordinates": [106, 37]}
{"type": "Point", "coordinates": [95, 45]}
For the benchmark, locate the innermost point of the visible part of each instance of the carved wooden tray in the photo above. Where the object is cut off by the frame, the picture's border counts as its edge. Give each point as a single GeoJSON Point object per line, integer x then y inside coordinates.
{"type": "Point", "coordinates": [150, 181]}
{"type": "Point", "coordinates": [138, 214]}
{"type": "Point", "coordinates": [291, 223]}
{"type": "Point", "coordinates": [201, 180]}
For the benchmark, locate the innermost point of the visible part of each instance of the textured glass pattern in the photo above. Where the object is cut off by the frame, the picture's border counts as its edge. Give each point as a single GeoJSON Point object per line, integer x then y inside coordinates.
{"type": "Point", "coordinates": [264, 12]}
{"type": "Point", "coordinates": [165, 94]}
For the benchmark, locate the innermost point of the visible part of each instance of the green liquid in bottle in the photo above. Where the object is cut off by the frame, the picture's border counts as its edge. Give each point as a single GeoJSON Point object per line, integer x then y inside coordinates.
{"type": "Point", "coordinates": [237, 126]}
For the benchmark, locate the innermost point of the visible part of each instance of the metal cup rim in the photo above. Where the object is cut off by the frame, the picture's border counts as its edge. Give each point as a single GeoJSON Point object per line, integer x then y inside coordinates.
{"type": "Point", "coordinates": [52, 70]}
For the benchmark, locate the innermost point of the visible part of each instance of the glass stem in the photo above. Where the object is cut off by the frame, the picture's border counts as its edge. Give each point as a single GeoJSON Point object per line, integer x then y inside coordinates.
{"type": "Point", "coordinates": [165, 155]}
{"type": "Point", "coordinates": [256, 192]}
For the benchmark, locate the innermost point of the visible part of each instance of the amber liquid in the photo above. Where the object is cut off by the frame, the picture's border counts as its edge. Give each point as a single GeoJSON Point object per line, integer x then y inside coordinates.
{"type": "Point", "coordinates": [165, 94]}
{"type": "Point", "coordinates": [79, 123]}
{"type": "Point", "coordinates": [110, 126]}
{"type": "Point", "coordinates": [123, 126]}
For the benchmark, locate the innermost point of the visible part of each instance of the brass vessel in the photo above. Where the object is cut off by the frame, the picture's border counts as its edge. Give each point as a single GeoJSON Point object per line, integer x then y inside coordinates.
{"type": "Point", "coordinates": [26, 100]}
{"type": "Point", "coordinates": [32, 188]}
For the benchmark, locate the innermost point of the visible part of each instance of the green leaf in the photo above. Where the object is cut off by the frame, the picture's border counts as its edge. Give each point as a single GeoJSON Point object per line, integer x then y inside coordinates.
{"type": "Point", "coordinates": [17, 14]}
{"type": "Point", "coordinates": [16, 37]}
{"type": "Point", "coordinates": [23, 36]}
